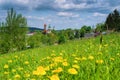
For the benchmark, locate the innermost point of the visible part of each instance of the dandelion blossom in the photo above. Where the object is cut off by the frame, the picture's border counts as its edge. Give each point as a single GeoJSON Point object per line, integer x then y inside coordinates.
{"type": "Point", "coordinates": [65, 64]}
{"type": "Point", "coordinates": [54, 77]}
{"type": "Point", "coordinates": [72, 71]}
{"type": "Point", "coordinates": [58, 70]}
{"type": "Point", "coordinates": [76, 66]}
{"type": "Point", "coordinates": [17, 76]}
{"type": "Point", "coordinates": [6, 66]}
{"type": "Point", "coordinates": [41, 70]}
{"type": "Point", "coordinates": [91, 57]}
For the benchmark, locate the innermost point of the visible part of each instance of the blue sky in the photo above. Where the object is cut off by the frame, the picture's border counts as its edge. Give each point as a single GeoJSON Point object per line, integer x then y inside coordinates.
{"type": "Point", "coordinates": [61, 13]}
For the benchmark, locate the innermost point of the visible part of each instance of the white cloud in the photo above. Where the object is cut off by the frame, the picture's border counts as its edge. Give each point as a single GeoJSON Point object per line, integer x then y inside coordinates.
{"type": "Point", "coordinates": [35, 17]}
{"type": "Point", "coordinates": [23, 1]}
{"type": "Point", "coordinates": [67, 14]}
{"type": "Point", "coordinates": [96, 14]}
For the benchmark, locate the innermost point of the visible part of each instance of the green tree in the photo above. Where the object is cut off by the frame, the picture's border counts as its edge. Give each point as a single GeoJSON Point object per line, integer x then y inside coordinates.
{"type": "Point", "coordinates": [113, 21]}
{"type": "Point", "coordinates": [14, 33]}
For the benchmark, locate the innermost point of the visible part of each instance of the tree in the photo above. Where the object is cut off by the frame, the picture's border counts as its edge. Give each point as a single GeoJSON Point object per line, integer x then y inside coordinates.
{"type": "Point", "coordinates": [100, 27]}
{"type": "Point", "coordinates": [77, 33]}
{"type": "Point", "coordinates": [14, 33]}
{"type": "Point", "coordinates": [113, 20]}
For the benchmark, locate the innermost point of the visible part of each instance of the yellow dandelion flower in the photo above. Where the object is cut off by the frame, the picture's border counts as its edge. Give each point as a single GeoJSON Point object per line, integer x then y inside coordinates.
{"type": "Point", "coordinates": [27, 75]}
{"type": "Point", "coordinates": [26, 62]}
{"type": "Point", "coordinates": [91, 57]}
{"type": "Point", "coordinates": [9, 61]}
{"type": "Point", "coordinates": [13, 70]}
{"type": "Point", "coordinates": [33, 79]}
{"type": "Point", "coordinates": [75, 61]}
{"type": "Point", "coordinates": [99, 61]}
{"type": "Point", "coordinates": [76, 66]}
{"type": "Point", "coordinates": [53, 65]}
{"type": "Point", "coordinates": [58, 59]}
{"type": "Point", "coordinates": [65, 64]}
{"type": "Point", "coordinates": [17, 76]}
{"type": "Point", "coordinates": [72, 71]}
{"type": "Point", "coordinates": [20, 68]}
{"type": "Point", "coordinates": [47, 68]}
{"type": "Point", "coordinates": [118, 54]}
{"type": "Point", "coordinates": [84, 58]}
{"type": "Point", "coordinates": [16, 56]}
{"type": "Point", "coordinates": [6, 72]}
{"type": "Point", "coordinates": [77, 58]}
{"type": "Point", "coordinates": [58, 70]}
{"type": "Point", "coordinates": [73, 55]}
{"type": "Point", "coordinates": [54, 77]}
{"type": "Point", "coordinates": [36, 73]}
{"type": "Point", "coordinates": [41, 70]}
{"type": "Point", "coordinates": [53, 51]}
{"type": "Point", "coordinates": [6, 66]}
{"type": "Point", "coordinates": [112, 59]}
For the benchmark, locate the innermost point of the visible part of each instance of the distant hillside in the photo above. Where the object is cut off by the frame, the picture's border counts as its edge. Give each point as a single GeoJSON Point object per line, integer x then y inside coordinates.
{"type": "Point", "coordinates": [32, 29]}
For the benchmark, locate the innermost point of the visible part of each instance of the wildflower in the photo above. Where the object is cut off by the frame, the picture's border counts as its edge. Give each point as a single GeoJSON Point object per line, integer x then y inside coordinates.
{"type": "Point", "coordinates": [58, 70]}
{"type": "Point", "coordinates": [47, 68]}
{"type": "Point", "coordinates": [61, 54]}
{"type": "Point", "coordinates": [75, 66]}
{"type": "Point", "coordinates": [33, 79]}
{"type": "Point", "coordinates": [73, 55]}
{"type": "Point", "coordinates": [27, 75]}
{"type": "Point", "coordinates": [77, 58]}
{"type": "Point", "coordinates": [72, 71]}
{"type": "Point", "coordinates": [112, 59]}
{"type": "Point", "coordinates": [58, 59]}
{"type": "Point", "coordinates": [17, 76]}
{"type": "Point", "coordinates": [6, 72]}
{"type": "Point", "coordinates": [41, 70]}
{"type": "Point", "coordinates": [36, 73]}
{"type": "Point", "coordinates": [91, 57]}
{"type": "Point", "coordinates": [20, 68]}
{"type": "Point", "coordinates": [54, 77]}
{"type": "Point", "coordinates": [16, 56]}
{"type": "Point", "coordinates": [13, 70]}
{"type": "Point", "coordinates": [6, 66]}
{"type": "Point", "coordinates": [99, 61]}
{"type": "Point", "coordinates": [9, 61]}
{"type": "Point", "coordinates": [26, 62]}
{"type": "Point", "coordinates": [84, 58]}
{"type": "Point", "coordinates": [65, 64]}
{"type": "Point", "coordinates": [75, 61]}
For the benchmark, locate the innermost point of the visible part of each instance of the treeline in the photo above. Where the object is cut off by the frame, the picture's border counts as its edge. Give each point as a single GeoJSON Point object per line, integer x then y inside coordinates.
{"type": "Point", "coordinates": [13, 33]}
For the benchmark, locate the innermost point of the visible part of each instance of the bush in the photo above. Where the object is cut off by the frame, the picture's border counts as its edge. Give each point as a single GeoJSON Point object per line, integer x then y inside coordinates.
{"type": "Point", "coordinates": [61, 39]}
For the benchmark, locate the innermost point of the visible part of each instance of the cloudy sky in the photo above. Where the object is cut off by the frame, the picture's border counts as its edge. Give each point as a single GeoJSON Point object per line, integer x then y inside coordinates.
{"type": "Point", "coordinates": [61, 13]}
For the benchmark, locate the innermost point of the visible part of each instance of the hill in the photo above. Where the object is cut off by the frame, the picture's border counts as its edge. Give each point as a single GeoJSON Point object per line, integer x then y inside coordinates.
{"type": "Point", "coordinates": [32, 29]}
{"type": "Point", "coordinates": [84, 59]}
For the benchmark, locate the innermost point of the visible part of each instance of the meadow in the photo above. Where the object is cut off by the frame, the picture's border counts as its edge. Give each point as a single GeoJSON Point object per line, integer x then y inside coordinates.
{"type": "Point", "coordinates": [84, 59]}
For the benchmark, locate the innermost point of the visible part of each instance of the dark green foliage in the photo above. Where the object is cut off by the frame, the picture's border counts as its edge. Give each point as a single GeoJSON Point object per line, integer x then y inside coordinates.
{"type": "Point", "coordinates": [77, 33]}
{"type": "Point", "coordinates": [62, 39]}
{"type": "Point", "coordinates": [100, 27]}
{"type": "Point", "coordinates": [34, 40]}
{"type": "Point", "coordinates": [113, 21]}
{"type": "Point", "coordinates": [13, 32]}
{"type": "Point", "coordinates": [82, 32]}
{"type": "Point", "coordinates": [70, 34]}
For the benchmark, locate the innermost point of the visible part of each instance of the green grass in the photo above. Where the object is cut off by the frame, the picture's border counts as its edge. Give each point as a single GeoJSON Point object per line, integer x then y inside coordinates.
{"type": "Point", "coordinates": [94, 61]}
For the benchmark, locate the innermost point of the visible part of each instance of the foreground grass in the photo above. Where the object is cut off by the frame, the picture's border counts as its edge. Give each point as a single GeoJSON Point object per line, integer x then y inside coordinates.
{"type": "Point", "coordinates": [77, 60]}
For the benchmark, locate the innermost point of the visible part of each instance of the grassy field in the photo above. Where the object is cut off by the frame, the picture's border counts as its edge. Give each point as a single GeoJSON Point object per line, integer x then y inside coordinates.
{"type": "Point", "coordinates": [84, 59]}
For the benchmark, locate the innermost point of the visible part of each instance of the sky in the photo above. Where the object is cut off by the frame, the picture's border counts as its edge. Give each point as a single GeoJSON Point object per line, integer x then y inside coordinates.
{"type": "Point", "coordinates": [61, 14]}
